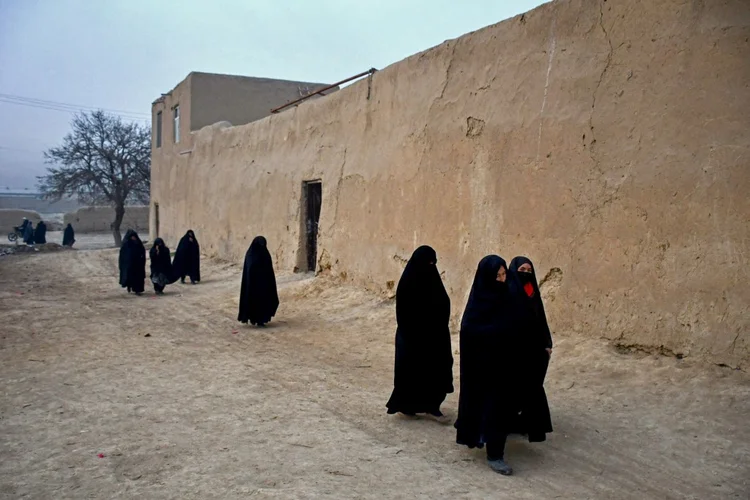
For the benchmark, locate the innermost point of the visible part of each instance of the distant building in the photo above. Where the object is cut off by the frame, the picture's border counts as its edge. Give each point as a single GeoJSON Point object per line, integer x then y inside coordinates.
{"type": "Point", "coordinates": [206, 98]}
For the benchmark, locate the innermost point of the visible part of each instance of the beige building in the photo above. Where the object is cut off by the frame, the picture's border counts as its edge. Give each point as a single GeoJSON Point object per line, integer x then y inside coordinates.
{"type": "Point", "coordinates": [607, 141]}
{"type": "Point", "coordinates": [203, 99]}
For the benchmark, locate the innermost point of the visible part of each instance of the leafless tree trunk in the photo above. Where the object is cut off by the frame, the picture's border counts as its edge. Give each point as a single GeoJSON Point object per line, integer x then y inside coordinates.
{"type": "Point", "coordinates": [119, 214]}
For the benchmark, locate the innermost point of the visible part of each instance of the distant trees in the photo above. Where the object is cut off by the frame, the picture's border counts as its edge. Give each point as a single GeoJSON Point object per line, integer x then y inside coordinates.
{"type": "Point", "coordinates": [103, 160]}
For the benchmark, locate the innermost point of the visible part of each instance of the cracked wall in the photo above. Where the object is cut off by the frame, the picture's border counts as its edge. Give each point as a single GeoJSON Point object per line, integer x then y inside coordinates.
{"type": "Point", "coordinates": [606, 140]}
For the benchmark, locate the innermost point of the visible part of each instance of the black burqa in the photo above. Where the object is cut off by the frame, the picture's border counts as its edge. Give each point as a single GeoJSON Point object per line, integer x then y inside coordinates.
{"type": "Point", "coordinates": [28, 234]}
{"type": "Point", "coordinates": [132, 263]}
{"type": "Point", "coordinates": [534, 338]}
{"type": "Point", "coordinates": [69, 236]}
{"type": "Point", "coordinates": [40, 233]}
{"type": "Point", "coordinates": [259, 299]}
{"type": "Point", "coordinates": [489, 399]}
{"type": "Point", "coordinates": [423, 372]}
{"type": "Point", "coordinates": [187, 258]}
{"type": "Point", "coordinates": [161, 265]}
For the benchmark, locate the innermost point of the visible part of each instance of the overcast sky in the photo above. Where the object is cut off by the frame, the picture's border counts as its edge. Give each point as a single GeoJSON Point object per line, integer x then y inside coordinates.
{"type": "Point", "coordinates": [122, 54]}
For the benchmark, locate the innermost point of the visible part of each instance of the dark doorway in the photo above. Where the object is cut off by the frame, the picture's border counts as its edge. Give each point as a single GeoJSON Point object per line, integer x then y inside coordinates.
{"type": "Point", "coordinates": [312, 195]}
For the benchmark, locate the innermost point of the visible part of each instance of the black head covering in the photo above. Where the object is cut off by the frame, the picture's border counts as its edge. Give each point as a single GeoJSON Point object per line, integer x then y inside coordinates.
{"type": "Point", "coordinates": [187, 257]}
{"type": "Point", "coordinates": [420, 289]}
{"type": "Point", "coordinates": [530, 310]}
{"type": "Point", "coordinates": [132, 262]}
{"type": "Point", "coordinates": [487, 294]}
{"type": "Point", "coordinates": [128, 234]}
{"type": "Point", "coordinates": [69, 236]}
{"type": "Point", "coordinates": [424, 358]}
{"type": "Point", "coordinates": [259, 298]}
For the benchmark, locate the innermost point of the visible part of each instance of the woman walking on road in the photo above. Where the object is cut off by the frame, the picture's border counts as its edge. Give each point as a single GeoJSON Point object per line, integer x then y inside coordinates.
{"type": "Point", "coordinates": [132, 263]}
{"type": "Point", "coordinates": [161, 266]}
{"type": "Point", "coordinates": [423, 373]}
{"type": "Point", "coordinates": [259, 299]}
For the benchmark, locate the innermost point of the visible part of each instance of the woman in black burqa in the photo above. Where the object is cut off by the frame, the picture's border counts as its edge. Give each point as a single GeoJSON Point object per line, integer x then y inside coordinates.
{"type": "Point", "coordinates": [161, 266]}
{"type": "Point", "coordinates": [424, 361]}
{"type": "Point", "coordinates": [28, 234]}
{"type": "Point", "coordinates": [40, 233]}
{"type": "Point", "coordinates": [132, 263]}
{"type": "Point", "coordinates": [490, 398]}
{"type": "Point", "coordinates": [187, 258]}
{"type": "Point", "coordinates": [69, 236]}
{"type": "Point", "coordinates": [259, 299]}
{"type": "Point", "coordinates": [533, 350]}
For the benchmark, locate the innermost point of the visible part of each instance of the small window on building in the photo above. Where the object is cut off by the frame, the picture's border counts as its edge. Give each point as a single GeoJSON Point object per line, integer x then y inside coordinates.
{"type": "Point", "coordinates": [158, 129]}
{"type": "Point", "coordinates": [176, 124]}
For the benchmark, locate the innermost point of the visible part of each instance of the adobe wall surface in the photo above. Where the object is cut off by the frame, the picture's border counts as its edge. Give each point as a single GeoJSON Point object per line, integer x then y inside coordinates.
{"type": "Point", "coordinates": [99, 219]}
{"type": "Point", "coordinates": [608, 141]}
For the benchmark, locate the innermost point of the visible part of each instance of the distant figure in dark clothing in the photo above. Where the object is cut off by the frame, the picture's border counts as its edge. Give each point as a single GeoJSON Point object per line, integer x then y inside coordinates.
{"type": "Point", "coordinates": [490, 396]}
{"type": "Point", "coordinates": [69, 236]}
{"type": "Point", "coordinates": [533, 349]}
{"type": "Point", "coordinates": [28, 233]}
{"type": "Point", "coordinates": [187, 258]}
{"type": "Point", "coordinates": [132, 263]}
{"type": "Point", "coordinates": [424, 359]}
{"type": "Point", "coordinates": [40, 234]}
{"type": "Point", "coordinates": [161, 266]}
{"type": "Point", "coordinates": [259, 299]}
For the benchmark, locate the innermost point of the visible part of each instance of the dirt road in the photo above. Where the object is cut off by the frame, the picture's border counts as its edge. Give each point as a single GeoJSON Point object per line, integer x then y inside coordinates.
{"type": "Point", "coordinates": [207, 408]}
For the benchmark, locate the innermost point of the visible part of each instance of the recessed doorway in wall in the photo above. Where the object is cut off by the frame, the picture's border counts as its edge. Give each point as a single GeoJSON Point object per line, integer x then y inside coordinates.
{"type": "Point", "coordinates": [312, 198]}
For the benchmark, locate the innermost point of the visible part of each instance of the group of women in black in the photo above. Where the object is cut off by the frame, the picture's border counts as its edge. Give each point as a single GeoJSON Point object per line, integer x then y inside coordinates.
{"type": "Point", "coordinates": [505, 342]}
{"type": "Point", "coordinates": [505, 348]}
{"type": "Point", "coordinates": [164, 270]}
{"type": "Point", "coordinates": [32, 235]}
{"type": "Point", "coordinates": [259, 298]}
{"type": "Point", "coordinates": [38, 235]}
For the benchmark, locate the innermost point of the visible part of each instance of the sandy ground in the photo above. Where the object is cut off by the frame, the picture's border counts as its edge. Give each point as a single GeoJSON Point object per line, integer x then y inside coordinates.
{"type": "Point", "coordinates": [207, 408]}
{"type": "Point", "coordinates": [84, 241]}
{"type": "Point", "coordinates": [89, 241]}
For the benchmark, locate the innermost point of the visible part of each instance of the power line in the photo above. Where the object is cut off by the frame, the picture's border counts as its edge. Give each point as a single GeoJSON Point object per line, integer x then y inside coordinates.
{"type": "Point", "coordinates": [72, 111]}
{"type": "Point", "coordinates": [67, 107]}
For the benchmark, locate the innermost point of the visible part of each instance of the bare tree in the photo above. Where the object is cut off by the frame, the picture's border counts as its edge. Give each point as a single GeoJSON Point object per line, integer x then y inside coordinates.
{"type": "Point", "coordinates": [102, 160]}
